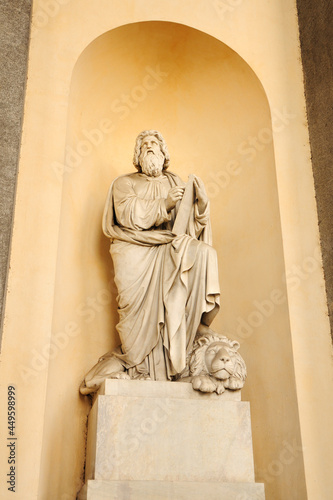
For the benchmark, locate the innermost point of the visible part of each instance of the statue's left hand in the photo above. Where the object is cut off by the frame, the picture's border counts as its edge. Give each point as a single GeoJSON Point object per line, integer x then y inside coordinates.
{"type": "Point", "coordinates": [200, 194]}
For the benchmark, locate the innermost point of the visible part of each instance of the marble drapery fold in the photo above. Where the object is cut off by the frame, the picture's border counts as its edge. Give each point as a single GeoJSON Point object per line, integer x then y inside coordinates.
{"type": "Point", "coordinates": [166, 284]}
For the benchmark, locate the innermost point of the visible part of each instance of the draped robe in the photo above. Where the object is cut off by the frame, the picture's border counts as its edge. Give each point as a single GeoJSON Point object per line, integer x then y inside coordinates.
{"type": "Point", "coordinates": [167, 284]}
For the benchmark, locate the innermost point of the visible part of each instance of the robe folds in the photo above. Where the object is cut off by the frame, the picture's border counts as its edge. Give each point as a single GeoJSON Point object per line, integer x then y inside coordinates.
{"type": "Point", "coordinates": [167, 284]}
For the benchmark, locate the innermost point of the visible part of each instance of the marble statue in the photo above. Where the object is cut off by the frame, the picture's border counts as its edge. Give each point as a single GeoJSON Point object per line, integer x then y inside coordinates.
{"type": "Point", "coordinates": [214, 363]}
{"type": "Point", "coordinates": [165, 271]}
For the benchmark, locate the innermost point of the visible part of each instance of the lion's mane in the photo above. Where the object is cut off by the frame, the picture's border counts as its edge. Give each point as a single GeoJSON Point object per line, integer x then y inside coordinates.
{"type": "Point", "coordinates": [197, 362]}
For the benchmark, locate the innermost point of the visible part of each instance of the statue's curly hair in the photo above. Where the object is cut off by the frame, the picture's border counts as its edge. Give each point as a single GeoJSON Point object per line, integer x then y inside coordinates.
{"type": "Point", "coordinates": [162, 143]}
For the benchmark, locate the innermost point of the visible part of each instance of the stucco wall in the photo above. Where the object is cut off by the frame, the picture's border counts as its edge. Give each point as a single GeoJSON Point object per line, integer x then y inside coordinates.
{"type": "Point", "coordinates": [315, 37]}
{"type": "Point", "coordinates": [206, 101]}
{"type": "Point", "coordinates": [32, 402]}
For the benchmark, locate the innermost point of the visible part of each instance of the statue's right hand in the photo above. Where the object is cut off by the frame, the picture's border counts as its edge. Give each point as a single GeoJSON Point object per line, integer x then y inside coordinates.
{"type": "Point", "coordinates": [175, 194]}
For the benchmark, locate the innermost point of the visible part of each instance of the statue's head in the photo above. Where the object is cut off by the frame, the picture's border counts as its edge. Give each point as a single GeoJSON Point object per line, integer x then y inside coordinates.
{"type": "Point", "coordinates": [151, 155]}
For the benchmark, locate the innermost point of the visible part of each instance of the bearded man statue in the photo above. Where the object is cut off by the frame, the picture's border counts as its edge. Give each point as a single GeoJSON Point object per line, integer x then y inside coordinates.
{"type": "Point", "coordinates": [167, 283]}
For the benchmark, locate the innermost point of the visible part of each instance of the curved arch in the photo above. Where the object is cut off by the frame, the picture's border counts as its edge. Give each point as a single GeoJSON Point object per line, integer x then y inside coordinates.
{"type": "Point", "coordinates": [208, 32]}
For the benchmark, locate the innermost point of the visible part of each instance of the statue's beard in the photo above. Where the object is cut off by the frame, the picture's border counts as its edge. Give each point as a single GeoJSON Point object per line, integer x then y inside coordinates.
{"type": "Point", "coordinates": [152, 164]}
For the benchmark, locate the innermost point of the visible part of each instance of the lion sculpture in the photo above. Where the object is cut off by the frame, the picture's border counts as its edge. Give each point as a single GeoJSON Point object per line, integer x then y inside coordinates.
{"type": "Point", "coordinates": [214, 364]}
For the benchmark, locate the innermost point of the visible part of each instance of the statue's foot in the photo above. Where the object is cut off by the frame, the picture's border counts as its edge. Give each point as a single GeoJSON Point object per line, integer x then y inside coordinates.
{"type": "Point", "coordinates": [144, 376]}
{"type": "Point", "coordinates": [120, 375]}
{"type": "Point", "coordinates": [94, 387]}
{"type": "Point", "coordinates": [84, 390]}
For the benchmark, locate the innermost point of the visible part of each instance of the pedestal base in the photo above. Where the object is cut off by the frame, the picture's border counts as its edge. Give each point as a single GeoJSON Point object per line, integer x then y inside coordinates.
{"type": "Point", "coordinates": [162, 440]}
{"type": "Point", "coordinates": [163, 490]}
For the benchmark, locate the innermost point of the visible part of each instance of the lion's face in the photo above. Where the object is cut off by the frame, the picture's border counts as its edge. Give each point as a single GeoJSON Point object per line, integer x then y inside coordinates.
{"type": "Point", "coordinates": [219, 362]}
{"type": "Point", "coordinates": [217, 356]}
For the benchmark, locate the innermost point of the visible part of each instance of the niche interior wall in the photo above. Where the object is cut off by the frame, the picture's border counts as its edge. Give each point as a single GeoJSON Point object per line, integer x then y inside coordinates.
{"type": "Point", "coordinates": [207, 102]}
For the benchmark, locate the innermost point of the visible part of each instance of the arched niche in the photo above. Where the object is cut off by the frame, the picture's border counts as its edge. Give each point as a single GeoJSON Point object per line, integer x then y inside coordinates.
{"type": "Point", "coordinates": [214, 114]}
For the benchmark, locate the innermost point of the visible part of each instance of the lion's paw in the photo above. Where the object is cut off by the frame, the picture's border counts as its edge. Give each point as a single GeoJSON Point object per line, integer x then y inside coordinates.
{"type": "Point", "coordinates": [203, 384]}
{"type": "Point", "coordinates": [220, 389]}
{"type": "Point", "coordinates": [233, 383]}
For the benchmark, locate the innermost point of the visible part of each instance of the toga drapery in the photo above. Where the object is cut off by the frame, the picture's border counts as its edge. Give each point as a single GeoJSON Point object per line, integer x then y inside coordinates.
{"type": "Point", "coordinates": [166, 284]}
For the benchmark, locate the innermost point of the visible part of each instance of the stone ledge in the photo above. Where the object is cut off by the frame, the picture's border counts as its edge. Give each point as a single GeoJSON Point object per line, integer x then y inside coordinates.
{"type": "Point", "coordinates": [162, 490]}
{"type": "Point", "coordinates": [153, 389]}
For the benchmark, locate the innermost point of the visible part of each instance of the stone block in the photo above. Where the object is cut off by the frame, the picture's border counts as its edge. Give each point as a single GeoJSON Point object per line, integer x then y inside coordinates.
{"type": "Point", "coordinates": [163, 431]}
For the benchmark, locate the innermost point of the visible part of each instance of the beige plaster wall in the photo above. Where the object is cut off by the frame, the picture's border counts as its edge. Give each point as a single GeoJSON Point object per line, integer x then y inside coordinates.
{"type": "Point", "coordinates": [208, 103]}
{"type": "Point", "coordinates": [265, 35]}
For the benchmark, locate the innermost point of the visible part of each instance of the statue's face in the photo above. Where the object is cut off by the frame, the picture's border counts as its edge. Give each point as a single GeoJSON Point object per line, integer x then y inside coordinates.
{"type": "Point", "coordinates": [150, 144]}
{"type": "Point", "coordinates": [151, 157]}
{"type": "Point", "coordinates": [219, 363]}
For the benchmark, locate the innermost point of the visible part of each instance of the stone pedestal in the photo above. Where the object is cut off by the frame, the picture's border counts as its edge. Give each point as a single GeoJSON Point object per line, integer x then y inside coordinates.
{"type": "Point", "coordinates": [162, 440]}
